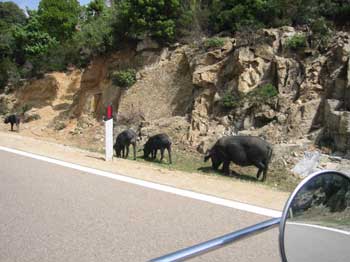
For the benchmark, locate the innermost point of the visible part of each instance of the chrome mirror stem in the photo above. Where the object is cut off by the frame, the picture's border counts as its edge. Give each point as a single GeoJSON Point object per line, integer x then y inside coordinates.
{"type": "Point", "coordinates": [219, 242]}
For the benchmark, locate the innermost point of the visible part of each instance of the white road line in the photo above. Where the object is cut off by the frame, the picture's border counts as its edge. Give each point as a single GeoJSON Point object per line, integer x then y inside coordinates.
{"type": "Point", "coordinates": [151, 185]}
{"type": "Point", "coordinates": [320, 227]}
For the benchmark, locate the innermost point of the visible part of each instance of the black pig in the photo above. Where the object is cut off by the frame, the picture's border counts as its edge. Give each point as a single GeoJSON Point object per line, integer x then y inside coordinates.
{"type": "Point", "coordinates": [123, 141]}
{"type": "Point", "coordinates": [13, 120]}
{"type": "Point", "coordinates": [160, 141]}
{"type": "Point", "coordinates": [241, 150]}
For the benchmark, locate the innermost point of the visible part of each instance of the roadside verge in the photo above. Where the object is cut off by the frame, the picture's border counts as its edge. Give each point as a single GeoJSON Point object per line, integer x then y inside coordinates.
{"type": "Point", "coordinates": [213, 186]}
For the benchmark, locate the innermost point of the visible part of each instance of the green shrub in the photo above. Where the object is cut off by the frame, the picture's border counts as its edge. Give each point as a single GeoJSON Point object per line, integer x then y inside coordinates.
{"type": "Point", "coordinates": [214, 42]}
{"type": "Point", "coordinates": [124, 78]}
{"type": "Point", "coordinates": [265, 92]}
{"type": "Point", "coordinates": [25, 108]}
{"type": "Point", "coordinates": [260, 95]}
{"type": "Point", "coordinates": [321, 33]}
{"type": "Point", "coordinates": [230, 101]}
{"type": "Point", "coordinates": [296, 42]}
{"type": "Point", "coordinates": [319, 26]}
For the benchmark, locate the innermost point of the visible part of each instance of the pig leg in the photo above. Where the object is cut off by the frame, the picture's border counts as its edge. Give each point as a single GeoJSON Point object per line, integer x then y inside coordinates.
{"type": "Point", "coordinates": [127, 152]}
{"type": "Point", "coordinates": [134, 149]}
{"type": "Point", "coordinates": [226, 168]}
{"type": "Point", "coordinates": [169, 153]}
{"type": "Point", "coordinates": [265, 172]}
{"type": "Point", "coordinates": [261, 168]}
{"type": "Point", "coordinates": [161, 154]}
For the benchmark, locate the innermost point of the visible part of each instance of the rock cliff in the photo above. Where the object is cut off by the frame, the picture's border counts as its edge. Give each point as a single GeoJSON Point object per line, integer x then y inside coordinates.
{"type": "Point", "coordinates": [198, 94]}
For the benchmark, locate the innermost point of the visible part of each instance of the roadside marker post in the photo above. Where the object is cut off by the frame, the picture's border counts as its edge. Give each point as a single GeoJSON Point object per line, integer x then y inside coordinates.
{"type": "Point", "coordinates": [109, 134]}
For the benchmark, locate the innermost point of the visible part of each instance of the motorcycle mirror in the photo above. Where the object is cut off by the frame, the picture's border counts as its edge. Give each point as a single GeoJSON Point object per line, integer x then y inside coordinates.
{"type": "Point", "coordinates": [315, 223]}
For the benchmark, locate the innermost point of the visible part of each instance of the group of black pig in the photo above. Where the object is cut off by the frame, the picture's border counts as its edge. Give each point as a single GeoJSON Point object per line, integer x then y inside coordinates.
{"type": "Point", "coordinates": [241, 150]}
{"type": "Point", "coordinates": [153, 144]}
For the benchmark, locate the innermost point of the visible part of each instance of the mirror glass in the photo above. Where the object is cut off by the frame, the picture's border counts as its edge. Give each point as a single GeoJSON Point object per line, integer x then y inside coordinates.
{"type": "Point", "coordinates": [317, 227]}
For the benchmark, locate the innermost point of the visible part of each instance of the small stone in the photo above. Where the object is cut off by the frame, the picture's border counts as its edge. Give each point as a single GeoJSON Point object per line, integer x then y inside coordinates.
{"type": "Point", "coordinates": [281, 119]}
{"type": "Point", "coordinates": [335, 158]}
{"type": "Point", "coordinates": [298, 102]}
{"type": "Point", "coordinates": [217, 97]}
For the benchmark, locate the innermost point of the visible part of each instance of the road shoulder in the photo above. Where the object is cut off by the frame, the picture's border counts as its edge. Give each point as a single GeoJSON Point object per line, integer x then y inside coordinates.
{"type": "Point", "coordinates": [223, 187]}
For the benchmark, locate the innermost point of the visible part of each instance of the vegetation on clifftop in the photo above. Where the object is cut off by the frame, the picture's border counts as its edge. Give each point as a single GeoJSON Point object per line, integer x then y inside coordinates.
{"type": "Point", "coordinates": [62, 33]}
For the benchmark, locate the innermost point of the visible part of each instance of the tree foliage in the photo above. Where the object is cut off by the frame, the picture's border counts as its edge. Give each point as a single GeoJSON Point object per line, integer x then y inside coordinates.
{"type": "Point", "coordinates": [59, 17]}
{"type": "Point", "coordinates": [31, 39]}
{"type": "Point", "coordinates": [124, 78]}
{"type": "Point", "coordinates": [9, 72]}
{"type": "Point", "coordinates": [233, 15]}
{"type": "Point", "coordinates": [214, 42]}
{"type": "Point", "coordinates": [10, 13]}
{"type": "Point", "coordinates": [155, 18]}
{"type": "Point", "coordinates": [95, 37]}
{"type": "Point", "coordinates": [95, 8]}
{"type": "Point", "coordinates": [10, 17]}
{"type": "Point", "coordinates": [62, 32]}
{"type": "Point", "coordinates": [296, 42]}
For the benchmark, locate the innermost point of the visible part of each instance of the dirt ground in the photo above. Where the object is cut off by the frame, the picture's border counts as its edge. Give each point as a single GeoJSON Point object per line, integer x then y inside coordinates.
{"type": "Point", "coordinates": [224, 187]}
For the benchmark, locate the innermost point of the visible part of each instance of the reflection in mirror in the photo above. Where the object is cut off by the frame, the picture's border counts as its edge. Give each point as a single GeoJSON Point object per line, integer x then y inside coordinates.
{"type": "Point", "coordinates": [318, 225]}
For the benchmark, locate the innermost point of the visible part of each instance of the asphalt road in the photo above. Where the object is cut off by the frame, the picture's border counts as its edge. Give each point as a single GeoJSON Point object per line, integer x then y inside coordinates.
{"type": "Point", "coordinates": [52, 213]}
{"type": "Point", "coordinates": [309, 244]}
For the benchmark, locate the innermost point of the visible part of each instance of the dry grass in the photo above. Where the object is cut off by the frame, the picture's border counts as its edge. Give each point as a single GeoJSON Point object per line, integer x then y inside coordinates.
{"type": "Point", "coordinates": [186, 161]}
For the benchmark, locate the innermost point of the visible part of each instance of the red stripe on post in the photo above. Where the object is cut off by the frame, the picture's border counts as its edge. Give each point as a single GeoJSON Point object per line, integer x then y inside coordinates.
{"type": "Point", "coordinates": [109, 112]}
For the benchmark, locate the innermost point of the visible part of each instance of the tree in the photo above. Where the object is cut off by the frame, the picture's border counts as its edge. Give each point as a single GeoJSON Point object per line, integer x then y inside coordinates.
{"type": "Point", "coordinates": [233, 15]}
{"type": "Point", "coordinates": [9, 72]}
{"type": "Point", "coordinates": [95, 8]}
{"type": "Point", "coordinates": [155, 18]}
{"type": "Point", "coordinates": [6, 44]}
{"type": "Point", "coordinates": [32, 39]}
{"type": "Point", "coordinates": [11, 14]}
{"type": "Point", "coordinates": [336, 10]}
{"type": "Point", "coordinates": [95, 36]}
{"type": "Point", "coordinates": [59, 17]}
{"type": "Point", "coordinates": [33, 45]}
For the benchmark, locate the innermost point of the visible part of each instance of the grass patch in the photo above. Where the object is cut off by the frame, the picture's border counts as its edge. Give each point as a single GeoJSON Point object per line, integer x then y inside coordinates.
{"type": "Point", "coordinates": [191, 162]}
{"type": "Point", "coordinates": [282, 179]}
{"type": "Point", "coordinates": [182, 161]}
{"type": "Point", "coordinates": [277, 178]}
